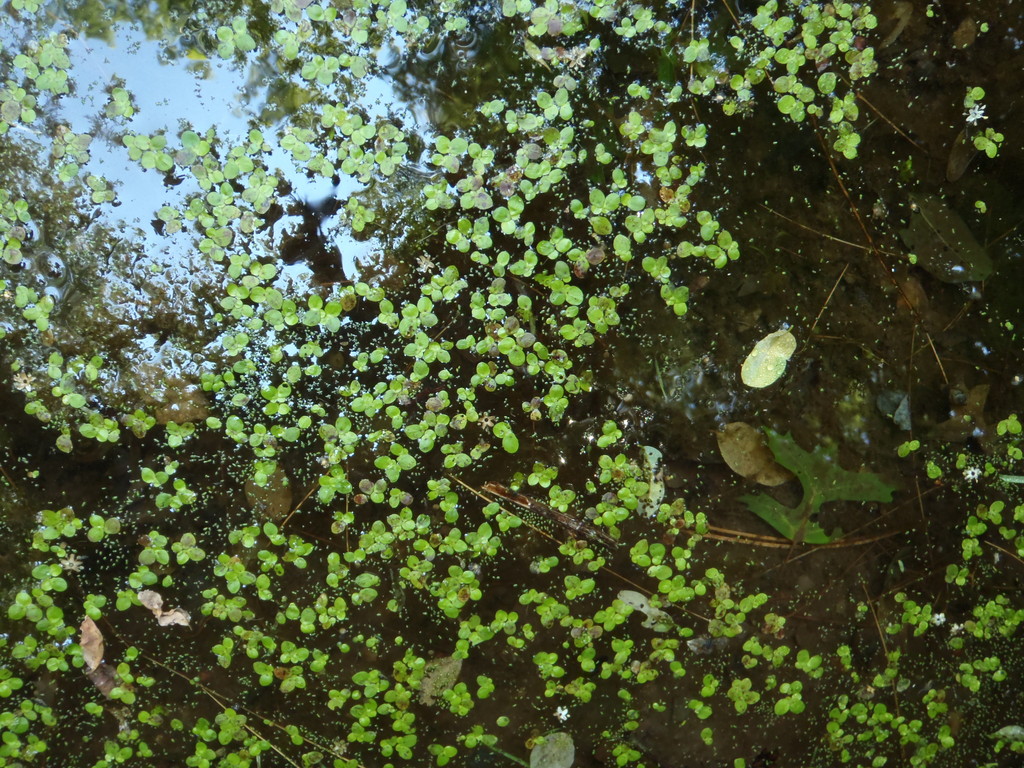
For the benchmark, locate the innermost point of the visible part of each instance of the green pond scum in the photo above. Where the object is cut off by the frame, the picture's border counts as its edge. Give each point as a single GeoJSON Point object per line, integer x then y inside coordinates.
{"type": "Point", "coordinates": [362, 365]}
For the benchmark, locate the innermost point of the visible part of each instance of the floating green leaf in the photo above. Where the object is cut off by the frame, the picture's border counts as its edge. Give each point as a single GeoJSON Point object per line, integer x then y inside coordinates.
{"type": "Point", "coordinates": [823, 480]}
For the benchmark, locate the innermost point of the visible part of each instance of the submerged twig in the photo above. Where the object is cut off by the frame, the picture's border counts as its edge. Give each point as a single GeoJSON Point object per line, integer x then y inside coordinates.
{"type": "Point", "coordinates": [574, 525]}
{"type": "Point", "coordinates": [301, 502]}
{"type": "Point", "coordinates": [825, 303]}
{"type": "Point", "coordinates": [604, 568]}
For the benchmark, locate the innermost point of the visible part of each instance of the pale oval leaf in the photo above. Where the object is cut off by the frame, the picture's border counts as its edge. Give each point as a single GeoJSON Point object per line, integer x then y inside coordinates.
{"type": "Point", "coordinates": [656, 618]}
{"type": "Point", "coordinates": [651, 502]}
{"type": "Point", "coordinates": [556, 751]}
{"type": "Point", "coordinates": [1013, 733]}
{"type": "Point", "coordinates": [634, 599]}
{"type": "Point", "coordinates": [767, 361]}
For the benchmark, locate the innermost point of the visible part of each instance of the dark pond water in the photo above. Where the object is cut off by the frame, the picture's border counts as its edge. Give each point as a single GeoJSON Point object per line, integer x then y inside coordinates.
{"type": "Point", "coordinates": [370, 369]}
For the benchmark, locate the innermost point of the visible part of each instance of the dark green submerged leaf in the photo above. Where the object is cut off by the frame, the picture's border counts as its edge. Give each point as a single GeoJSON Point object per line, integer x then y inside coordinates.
{"type": "Point", "coordinates": [823, 480]}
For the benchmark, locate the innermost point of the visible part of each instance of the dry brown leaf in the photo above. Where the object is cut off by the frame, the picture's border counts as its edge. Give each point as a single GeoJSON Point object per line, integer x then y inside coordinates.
{"type": "Point", "coordinates": [913, 295]}
{"type": "Point", "coordinates": [105, 678]}
{"type": "Point", "coordinates": [155, 602]}
{"type": "Point", "coordinates": [273, 500]}
{"type": "Point", "coordinates": [92, 645]}
{"type": "Point", "coordinates": [102, 675]}
{"type": "Point", "coordinates": [902, 11]}
{"type": "Point", "coordinates": [965, 34]}
{"type": "Point", "coordinates": [178, 616]}
{"type": "Point", "coordinates": [960, 156]}
{"type": "Point", "coordinates": [746, 451]}
{"type": "Point", "coordinates": [438, 676]}
{"type": "Point", "coordinates": [152, 600]}
{"type": "Point", "coordinates": [967, 417]}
